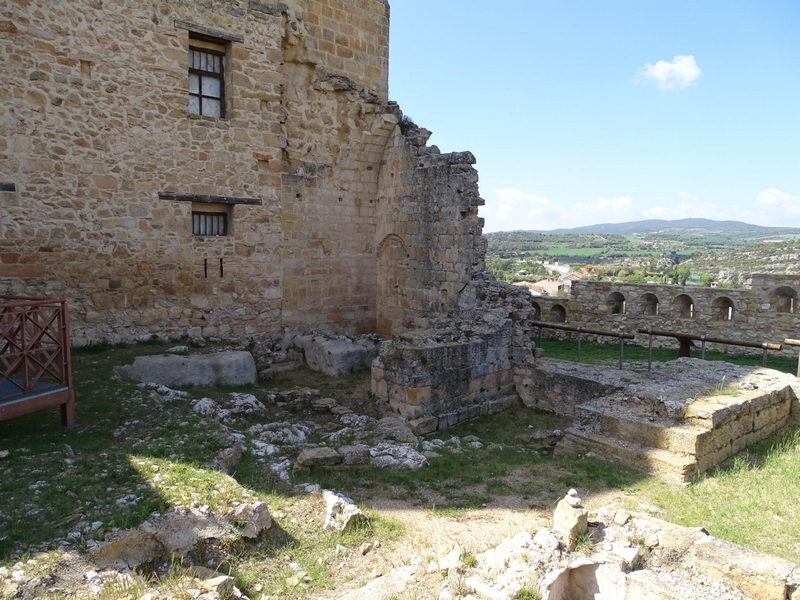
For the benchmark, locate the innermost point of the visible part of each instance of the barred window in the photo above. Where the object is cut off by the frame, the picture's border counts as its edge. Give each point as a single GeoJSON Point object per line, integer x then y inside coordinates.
{"type": "Point", "coordinates": [209, 223]}
{"type": "Point", "coordinates": [206, 82]}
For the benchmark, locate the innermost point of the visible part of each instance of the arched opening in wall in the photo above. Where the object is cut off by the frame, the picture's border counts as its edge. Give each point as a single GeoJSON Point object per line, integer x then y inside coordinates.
{"type": "Point", "coordinates": [684, 306]}
{"type": "Point", "coordinates": [558, 314]}
{"type": "Point", "coordinates": [723, 309]}
{"type": "Point", "coordinates": [392, 284]}
{"type": "Point", "coordinates": [616, 303]}
{"type": "Point", "coordinates": [537, 311]}
{"type": "Point", "coordinates": [784, 299]}
{"type": "Point", "coordinates": [648, 305]}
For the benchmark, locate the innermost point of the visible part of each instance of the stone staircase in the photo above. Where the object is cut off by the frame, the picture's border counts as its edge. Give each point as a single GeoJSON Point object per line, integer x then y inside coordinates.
{"type": "Point", "coordinates": [676, 437]}
{"type": "Point", "coordinates": [654, 444]}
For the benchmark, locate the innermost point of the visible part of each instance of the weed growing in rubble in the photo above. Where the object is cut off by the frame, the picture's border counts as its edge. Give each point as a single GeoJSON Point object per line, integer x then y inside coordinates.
{"type": "Point", "coordinates": [722, 390]}
{"type": "Point", "coordinates": [528, 593]}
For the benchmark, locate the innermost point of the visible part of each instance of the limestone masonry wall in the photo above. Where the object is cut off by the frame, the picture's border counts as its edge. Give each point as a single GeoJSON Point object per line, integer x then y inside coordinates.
{"type": "Point", "coordinates": [102, 168]}
{"type": "Point", "coordinates": [767, 312]}
{"type": "Point", "coordinates": [429, 234]}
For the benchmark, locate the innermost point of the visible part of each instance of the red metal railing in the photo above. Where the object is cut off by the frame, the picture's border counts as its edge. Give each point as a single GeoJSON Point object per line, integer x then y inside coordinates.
{"type": "Point", "coordinates": [35, 367]}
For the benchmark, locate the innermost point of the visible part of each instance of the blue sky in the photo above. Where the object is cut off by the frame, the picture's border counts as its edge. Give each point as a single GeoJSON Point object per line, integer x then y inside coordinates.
{"type": "Point", "coordinates": [586, 112]}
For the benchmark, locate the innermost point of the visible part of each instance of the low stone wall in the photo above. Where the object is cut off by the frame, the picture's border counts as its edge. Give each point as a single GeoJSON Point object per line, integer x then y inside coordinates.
{"type": "Point", "coordinates": [559, 386]}
{"type": "Point", "coordinates": [677, 421]}
{"type": "Point", "coordinates": [437, 380]}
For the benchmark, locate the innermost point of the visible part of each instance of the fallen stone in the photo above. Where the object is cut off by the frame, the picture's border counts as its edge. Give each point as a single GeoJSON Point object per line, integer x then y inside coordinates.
{"type": "Point", "coordinates": [449, 557]}
{"type": "Point", "coordinates": [626, 556]}
{"type": "Point", "coordinates": [221, 585]}
{"type": "Point", "coordinates": [337, 356]}
{"type": "Point", "coordinates": [424, 425]}
{"type": "Point", "coordinates": [622, 517]}
{"type": "Point", "coordinates": [358, 454]}
{"type": "Point", "coordinates": [178, 350]}
{"type": "Point", "coordinates": [395, 428]}
{"type": "Point", "coordinates": [180, 531]}
{"type": "Point", "coordinates": [171, 535]}
{"type": "Point", "coordinates": [323, 404]}
{"type": "Point", "coordinates": [396, 456]}
{"type": "Point", "coordinates": [569, 522]}
{"type": "Point", "coordinates": [340, 511]}
{"type": "Point", "coordinates": [255, 516]}
{"type": "Point", "coordinates": [221, 368]}
{"type": "Point", "coordinates": [319, 457]}
{"type": "Point", "coordinates": [129, 550]}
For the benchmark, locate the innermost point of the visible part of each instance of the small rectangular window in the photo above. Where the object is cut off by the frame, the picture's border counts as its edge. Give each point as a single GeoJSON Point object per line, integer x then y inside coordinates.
{"type": "Point", "coordinates": [209, 223]}
{"type": "Point", "coordinates": [206, 82]}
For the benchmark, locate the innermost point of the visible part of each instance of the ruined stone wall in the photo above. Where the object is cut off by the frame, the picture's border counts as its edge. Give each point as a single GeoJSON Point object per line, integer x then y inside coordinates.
{"type": "Point", "coordinates": [93, 114]}
{"type": "Point", "coordinates": [763, 313]}
{"type": "Point", "coordinates": [428, 238]}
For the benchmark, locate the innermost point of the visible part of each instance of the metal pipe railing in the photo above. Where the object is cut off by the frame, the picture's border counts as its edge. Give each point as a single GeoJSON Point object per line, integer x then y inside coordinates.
{"type": "Point", "coordinates": [791, 342]}
{"type": "Point", "coordinates": [685, 340]}
{"type": "Point", "coordinates": [581, 330]}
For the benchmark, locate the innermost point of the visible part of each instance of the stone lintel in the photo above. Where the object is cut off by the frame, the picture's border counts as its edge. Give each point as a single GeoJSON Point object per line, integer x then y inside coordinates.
{"type": "Point", "coordinates": [211, 34]}
{"type": "Point", "coordinates": [208, 199]}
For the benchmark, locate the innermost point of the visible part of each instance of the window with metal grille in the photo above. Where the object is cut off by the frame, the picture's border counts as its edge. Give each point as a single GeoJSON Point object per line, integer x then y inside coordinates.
{"type": "Point", "coordinates": [206, 82]}
{"type": "Point", "coordinates": [207, 223]}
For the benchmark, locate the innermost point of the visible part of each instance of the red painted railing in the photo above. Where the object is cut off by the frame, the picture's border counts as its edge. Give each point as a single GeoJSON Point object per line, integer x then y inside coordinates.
{"type": "Point", "coordinates": [35, 365]}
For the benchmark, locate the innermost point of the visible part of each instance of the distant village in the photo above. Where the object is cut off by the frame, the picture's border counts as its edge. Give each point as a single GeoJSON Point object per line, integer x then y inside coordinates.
{"type": "Point", "coordinates": [553, 286]}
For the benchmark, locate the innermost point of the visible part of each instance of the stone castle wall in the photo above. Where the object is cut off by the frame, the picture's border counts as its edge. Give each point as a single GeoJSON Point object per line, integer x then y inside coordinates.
{"type": "Point", "coordinates": [429, 234]}
{"type": "Point", "coordinates": [95, 127]}
{"type": "Point", "coordinates": [763, 313]}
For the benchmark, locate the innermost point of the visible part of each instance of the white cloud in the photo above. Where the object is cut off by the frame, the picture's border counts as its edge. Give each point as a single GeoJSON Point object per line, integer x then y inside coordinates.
{"type": "Point", "coordinates": [777, 208]}
{"type": "Point", "coordinates": [514, 209]}
{"type": "Point", "coordinates": [680, 73]}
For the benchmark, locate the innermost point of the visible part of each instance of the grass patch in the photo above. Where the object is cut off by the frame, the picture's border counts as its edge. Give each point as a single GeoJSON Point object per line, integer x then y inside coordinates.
{"type": "Point", "coordinates": [635, 357]}
{"type": "Point", "coordinates": [753, 502]}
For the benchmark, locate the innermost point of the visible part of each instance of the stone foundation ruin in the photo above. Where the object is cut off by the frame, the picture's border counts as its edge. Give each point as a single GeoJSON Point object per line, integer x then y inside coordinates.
{"type": "Point", "coordinates": [299, 202]}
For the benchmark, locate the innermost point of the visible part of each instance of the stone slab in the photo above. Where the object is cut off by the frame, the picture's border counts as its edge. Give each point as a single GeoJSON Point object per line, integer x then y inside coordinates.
{"type": "Point", "coordinates": [220, 368]}
{"type": "Point", "coordinates": [337, 356]}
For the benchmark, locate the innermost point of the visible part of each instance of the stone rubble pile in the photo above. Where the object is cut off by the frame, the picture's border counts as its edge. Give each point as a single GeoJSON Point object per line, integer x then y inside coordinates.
{"type": "Point", "coordinates": [618, 556]}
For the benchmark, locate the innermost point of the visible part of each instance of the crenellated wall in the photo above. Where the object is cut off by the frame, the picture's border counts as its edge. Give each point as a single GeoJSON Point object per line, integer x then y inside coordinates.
{"type": "Point", "coordinates": [766, 312]}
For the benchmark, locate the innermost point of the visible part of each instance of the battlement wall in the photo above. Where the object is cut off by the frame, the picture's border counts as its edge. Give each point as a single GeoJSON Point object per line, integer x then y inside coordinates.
{"type": "Point", "coordinates": [767, 312]}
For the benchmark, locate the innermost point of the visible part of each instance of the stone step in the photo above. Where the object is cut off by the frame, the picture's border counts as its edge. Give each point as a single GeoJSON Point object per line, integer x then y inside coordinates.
{"type": "Point", "coordinates": [671, 466]}
{"type": "Point", "coordinates": [667, 435]}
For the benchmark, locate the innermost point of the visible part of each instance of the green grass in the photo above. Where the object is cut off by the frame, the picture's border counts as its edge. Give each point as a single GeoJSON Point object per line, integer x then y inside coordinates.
{"type": "Point", "coordinates": [478, 477]}
{"type": "Point", "coordinates": [753, 502]}
{"type": "Point", "coordinates": [635, 356]}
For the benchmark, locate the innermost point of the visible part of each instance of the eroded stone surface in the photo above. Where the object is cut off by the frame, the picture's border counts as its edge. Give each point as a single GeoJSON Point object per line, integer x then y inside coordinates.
{"type": "Point", "coordinates": [221, 368]}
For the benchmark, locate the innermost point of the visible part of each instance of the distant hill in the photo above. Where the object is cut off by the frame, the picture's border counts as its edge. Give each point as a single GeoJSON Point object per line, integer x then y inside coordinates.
{"type": "Point", "coordinates": [656, 225]}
